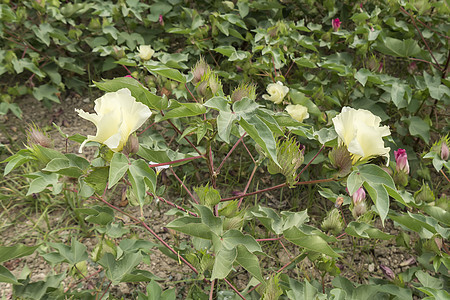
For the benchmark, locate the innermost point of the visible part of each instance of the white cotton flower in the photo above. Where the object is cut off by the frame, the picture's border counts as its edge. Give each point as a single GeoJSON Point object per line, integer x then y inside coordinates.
{"type": "Point", "coordinates": [145, 52]}
{"type": "Point", "coordinates": [158, 168]}
{"type": "Point", "coordinates": [297, 112]}
{"type": "Point", "coordinates": [118, 115]}
{"type": "Point", "coordinates": [360, 131]}
{"type": "Point", "coordinates": [277, 92]}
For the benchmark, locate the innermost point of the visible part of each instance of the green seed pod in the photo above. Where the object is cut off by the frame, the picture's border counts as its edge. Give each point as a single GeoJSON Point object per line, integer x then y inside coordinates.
{"type": "Point", "coordinates": [333, 222]}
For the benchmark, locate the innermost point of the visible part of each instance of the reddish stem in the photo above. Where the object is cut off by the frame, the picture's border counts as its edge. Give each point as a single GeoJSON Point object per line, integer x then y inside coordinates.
{"type": "Point", "coordinates": [277, 187]}
{"type": "Point", "coordinates": [184, 186]}
{"type": "Point", "coordinates": [269, 239]}
{"type": "Point", "coordinates": [229, 152]}
{"type": "Point", "coordinates": [248, 184]}
{"type": "Point", "coordinates": [173, 205]}
{"type": "Point", "coordinates": [234, 289]}
{"type": "Point", "coordinates": [211, 292]}
{"type": "Point", "coordinates": [148, 127]}
{"type": "Point", "coordinates": [175, 161]}
{"type": "Point", "coordinates": [312, 159]}
{"type": "Point", "coordinates": [192, 95]}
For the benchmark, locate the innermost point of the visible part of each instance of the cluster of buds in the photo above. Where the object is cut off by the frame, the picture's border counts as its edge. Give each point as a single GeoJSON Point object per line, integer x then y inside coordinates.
{"type": "Point", "coordinates": [207, 83]}
{"type": "Point", "coordinates": [290, 158]}
{"type": "Point", "coordinates": [402, 167]}
{"type": "Point", "coordinates": [333, 222]}
{"type": "Point", "coordinates": [359, 203]}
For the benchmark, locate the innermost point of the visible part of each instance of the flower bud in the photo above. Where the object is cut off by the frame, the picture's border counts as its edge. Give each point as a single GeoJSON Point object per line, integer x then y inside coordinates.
{"type": "Point", "coordinates": [387, 272]}
{"type": "Point", "coordinates": [244, 90]}
{"type": "Point", "coordinates": [401, 158]}
{"type": "Point", "coordinates": [333, 222]}
{"type": "Point", "coordinates": [401, 178]}
{"type": "Point", "coordinates": [359, 209]}
{"type": "Point", "coordinates": [35, 136]}
{"type": "Point", "coordinates": [425, 194]}
{"type": "Point", "coordinates": [341, 159]}
{"type": "Point", "coordinates": [444, 150]}
{"type": "Point", "coordinates": [359, 195]}
{"type": "Point", "coordinates": [199, 70]}
{"type": "Point", "coordinates": [412, 67]}
{"type": "Point", "coordinates": [161, 20]}
{"type": "Point", "coordinates": [336, 24]}
{"type": "Point", "coordinates": [132, 145]}
{"type": "Point", "coordinates": [290, 158]}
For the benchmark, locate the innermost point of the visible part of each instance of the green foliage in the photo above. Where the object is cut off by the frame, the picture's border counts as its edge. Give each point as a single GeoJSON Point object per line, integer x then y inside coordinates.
{"type": "Point", "coordinates": [204, 81]}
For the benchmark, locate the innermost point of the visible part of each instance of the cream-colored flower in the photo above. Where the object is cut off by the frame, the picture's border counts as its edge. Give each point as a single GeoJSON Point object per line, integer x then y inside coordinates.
{"type": "Point", "coordinates": [297, 112]}
{"type": "Point", "coordinates": [118, 115]}
{"type": "Point", "coordinates": [145, 52]}
{"type": "Point", "coordinates": [277, 92]}
{"type": "Point", "coordinates": [360, 131]}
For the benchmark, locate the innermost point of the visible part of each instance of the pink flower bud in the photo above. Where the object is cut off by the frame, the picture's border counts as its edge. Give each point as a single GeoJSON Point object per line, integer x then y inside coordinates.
{"type": "Point", "coordinates": [161, 20]}
{"type": "Point", "coordinates": [387, 272]}
{"type": "Point", "coordinates": [401, 158]}
{"type": "Point", "coordinates": [359, 195]}
{"type": "Point", "coordinates": [444, 151]}
{"type": "Point", "coordinates": [336, 23]}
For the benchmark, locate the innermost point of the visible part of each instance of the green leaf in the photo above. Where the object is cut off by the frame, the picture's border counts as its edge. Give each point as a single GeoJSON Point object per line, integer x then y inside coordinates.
{"type": "Point", "coordinates": [438, 213]}
{"type": "Point", "coordinates": [118, 167]}
{"type": "Point", "coordinates": [7, 276]}
{"type": "Point", "coordinates": [214, 223]}
{"type": "Point", "coordinates": [46, 91]}
{"type": "Point", "coordinates": [261, 134]}
{"type": "Point", "coordinates": [380, 197]}
{"type": "Point", "coordinates": [223, 263]}
{"type": "Point", "coordinates": [74, 254]}
{"type": "Point", "coordinates": [37, 290]}
{"type": "Point", "coordinates": [191, 226]}
{"type": "Point", "coordinates": [42, 181]}
{"type": "Point", "coordinates": [142, 178]}
{"type": "Point", "coordinates": [166, 72]}
{"type": "Point", "coordinates": [418, 127]}
{"type": "Point", "coordinates": [16, 251]}
{"type": "Point", "coordinates": [116, 270]}
{"type": "Point", "coordinates": [63, 167]}
{"type": "Point", "coordinates": [429, 281]}
{"type": "Point", "coordinates": [184, 110]}
{"type": "Point", "coordinates": [399, 48]}
{"type": "Point", "coordinates": [98, 179]}
{"type": "Point", "coordinates": [98, 214]}
{"type": "Point", "coordinates": [249, 261]}
{"type": "Point", "coordinates": [232, 238]}
{"type": "Point", "coordinates": [309, 242]}
{"type": "Point", "coordinates": [17, 160]}
{"type": "Point", "coordinates": [138, 91]}
{"type": "Point", "coordinates": [363, 230]}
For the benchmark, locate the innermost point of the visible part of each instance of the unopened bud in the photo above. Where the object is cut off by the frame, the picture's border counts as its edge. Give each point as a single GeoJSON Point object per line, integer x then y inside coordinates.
{"type": "Point", "coordinates": [199, 70]}
{"type": "Point", "coordinates": [401, 178]}
{"type": "Point", "coordinates": [425, 194]}
{"type": "Point", "coordinates": [444, 150]}
{"type": "Point", "coordinates": [387, 272]}
{"type": "Point", "coordinates": [359, 195]}
{"type": "Point", "coordinates": [244, 90]}
{"type": "Point", "coordinates": [336, 24]}
{"type": "Point", "coordinates": [341, 159]}
{"type": "Point", "coordinates": [359, 209]}
{"type": "Point", "coordinates": [161, 20]}
{"type": "Point", "coordinates": [35, 136]}
{"type": "Point", "coordinates": [401, 158]}
{"type": "Point", "coordinates": [333, 222]}
{"type": "Point", "coordinates": [214, 83]}
{"type": "Point", "coordinates": [290, 158]}
{"type": "Point", "coordinates": [132, 145]}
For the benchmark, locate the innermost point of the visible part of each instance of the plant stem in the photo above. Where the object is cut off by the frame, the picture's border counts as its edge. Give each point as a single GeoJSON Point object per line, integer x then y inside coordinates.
{"type": "Point", "coordinates": [234, 289]}
{"type": "Point", "coordinates": [175, 161]}
{"type": "Point", "coordinates": [229, 152]}
{"type": "Point", "coordinates": [248, 184]}
{"type": "Point", "coordinates": [312, 159]}
{"type": "Point", "coordinates": [277, 187]}
{"type": "Point", "coordinates": [211, 292]}
{"type": "Point", "coordinates": [183, 185]}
